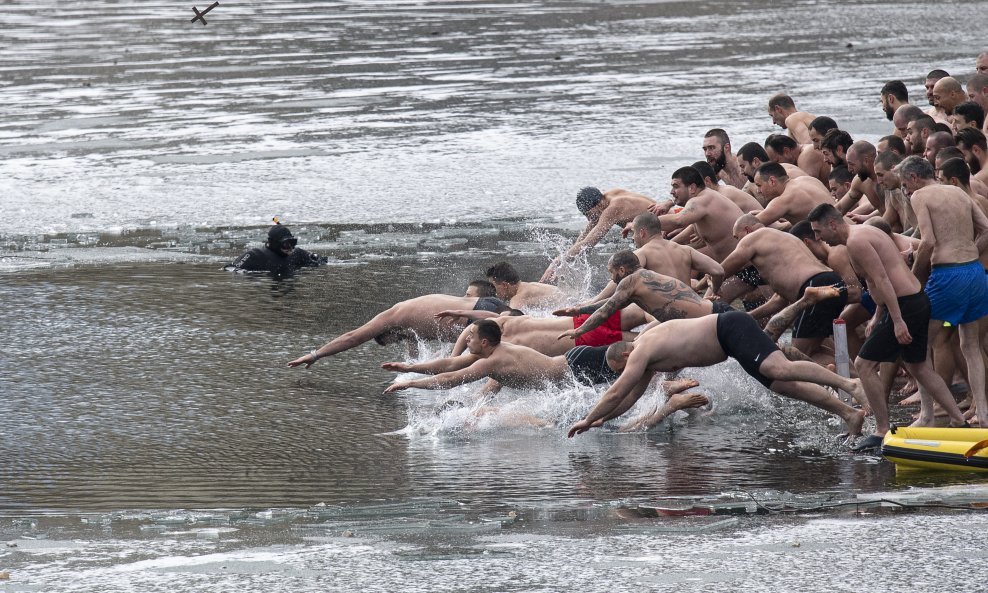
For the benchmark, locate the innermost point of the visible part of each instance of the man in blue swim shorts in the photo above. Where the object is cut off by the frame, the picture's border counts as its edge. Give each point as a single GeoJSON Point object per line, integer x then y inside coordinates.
{"type": "Point", "coordinates": [952, 228]}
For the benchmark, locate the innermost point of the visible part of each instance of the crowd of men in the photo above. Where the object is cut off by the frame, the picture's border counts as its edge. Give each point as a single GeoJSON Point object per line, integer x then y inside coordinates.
{"type": "Point", "coordinates": [806, 227]}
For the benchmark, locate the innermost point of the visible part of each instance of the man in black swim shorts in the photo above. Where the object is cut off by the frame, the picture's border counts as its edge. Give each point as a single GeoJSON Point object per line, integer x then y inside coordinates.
{"type": "Point", "coordinates": [705, 341]}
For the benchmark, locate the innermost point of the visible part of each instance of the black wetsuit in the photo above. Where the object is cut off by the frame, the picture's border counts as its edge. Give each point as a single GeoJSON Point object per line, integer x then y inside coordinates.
{"type": "Point", "coordinates": [265, 259]}
{"type": "Point", "coordinates": [589, 365]}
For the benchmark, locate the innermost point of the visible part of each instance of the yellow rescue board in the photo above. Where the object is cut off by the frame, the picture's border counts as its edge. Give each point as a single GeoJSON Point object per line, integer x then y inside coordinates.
{"type": "Point", "coordinates": [954, 449]}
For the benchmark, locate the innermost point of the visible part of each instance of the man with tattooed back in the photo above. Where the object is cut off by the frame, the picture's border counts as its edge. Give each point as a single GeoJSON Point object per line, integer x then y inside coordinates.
{"type": "Point", "coordinates": [662, 297]}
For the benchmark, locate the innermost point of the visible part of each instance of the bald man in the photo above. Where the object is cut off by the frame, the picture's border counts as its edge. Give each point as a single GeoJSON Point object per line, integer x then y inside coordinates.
{"type": "Point", "coordinates": [861, 163]}
{"type": "Point", "coordinates": [662, 256]}
{"type": "Point", "coordinates": [789, 268]}
{"type": "Point", "coordinates": [948, 93]}
{"type": "Point", "coordinates": [931, 80]}
{"type": "Point", "coordinates": [981, 64]}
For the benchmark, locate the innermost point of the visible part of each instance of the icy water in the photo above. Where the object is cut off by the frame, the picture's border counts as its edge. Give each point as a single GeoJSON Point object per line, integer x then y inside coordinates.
{"type": "Point", "coordinates": [153, 438]}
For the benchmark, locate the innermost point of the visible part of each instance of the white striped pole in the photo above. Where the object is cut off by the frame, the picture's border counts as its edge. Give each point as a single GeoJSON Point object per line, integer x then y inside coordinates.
{"type": "Point", "coordinates": [841, 357]}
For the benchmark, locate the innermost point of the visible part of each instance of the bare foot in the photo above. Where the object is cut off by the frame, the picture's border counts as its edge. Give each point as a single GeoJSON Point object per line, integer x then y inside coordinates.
{"type": "Point", "coordinates": [815, 294]}
{"type": "Point", "coordinates": [679, 401]}
{"type": "Point", "coordinates": [858, 393]}
{"type": "Point", "coordinates": [923, 420]}
{"type": "Point", "coordinates": [912, 400]}
{"type": "Point", "coordinates": [910, 388]}
{"type": "Point", "coordinates": [855, 422]}
{"type": "Point", "coordinates": [678, 386]}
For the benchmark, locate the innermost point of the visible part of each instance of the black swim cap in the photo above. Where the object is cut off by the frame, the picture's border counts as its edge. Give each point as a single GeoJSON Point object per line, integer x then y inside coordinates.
{"type": "Point", "coordinates": [587, 198]}
{"type": "Point", "coordinates": [279, 235]}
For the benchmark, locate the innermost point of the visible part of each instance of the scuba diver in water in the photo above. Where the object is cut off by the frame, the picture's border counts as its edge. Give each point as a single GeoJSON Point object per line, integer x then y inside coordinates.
{"type": "Point", "coordinates": [279, 256]}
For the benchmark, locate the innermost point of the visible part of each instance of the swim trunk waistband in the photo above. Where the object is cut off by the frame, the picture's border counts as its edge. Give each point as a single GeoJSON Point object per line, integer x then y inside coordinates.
{"type": "Point", "coordinates": [957, 264]}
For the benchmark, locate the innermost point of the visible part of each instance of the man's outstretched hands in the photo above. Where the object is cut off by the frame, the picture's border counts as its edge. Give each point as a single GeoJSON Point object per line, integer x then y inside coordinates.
{"type": "Point", "coordinates": [398, 367]}
{"type": "Point", "coordinates": [399, 386]}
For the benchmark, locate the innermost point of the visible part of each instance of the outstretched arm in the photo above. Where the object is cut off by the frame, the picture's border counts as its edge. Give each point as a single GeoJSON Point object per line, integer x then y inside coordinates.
{"type": "Point", "coordinates": [707, 265]}
{"type": "Point", "coordinates": [433, 367]}
{"type": "Point", "coordinates": [619, 300]}
{"type": "Point", "coordinates": [614, 397]}
{"type": "Point", "coordinates": [351, 339]}
{"type": "Point", "coordinates": [471, 314]}
{"type": "Point", "coordinates": [549, 276]}
{"type": "Point", "coordinates": [474, 372]}
{"type": "Point", "coordinates": [605, 293]}
{"type": "Point", "coordinates": [633, 396]}
{"type": "Point", "coordinates": [775, 210]}
{"type": "Point", "coordinates": [735, 262]}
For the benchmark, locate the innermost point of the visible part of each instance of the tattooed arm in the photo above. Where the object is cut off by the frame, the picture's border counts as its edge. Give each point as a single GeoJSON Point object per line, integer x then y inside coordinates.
{"type": "Point", "coordinates": [619, 300]}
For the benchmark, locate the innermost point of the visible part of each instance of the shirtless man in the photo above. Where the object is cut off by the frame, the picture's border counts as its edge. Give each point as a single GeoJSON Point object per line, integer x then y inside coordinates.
{"type": "Point", "coordinates": [977, 91]}
{"type": "Point", "coordinates": [839, 181]}
{"type": "Point", "coordinates": [662, 256]}
{"type": "Point", "coordinates": [788, 199]}
{"type": "Point", "coordinates": [509, 365]}
{"type": "Point", "coordinates": [784, 150]}
{"type": "Point", "coordinates": [789, 268]}
{"type": "Point", "coordinates": [954, 171]}
{"type": "Point", "coordinates": [834, 257]}
{"type": "Point", "coordinates": [890, 186]}
{"type": "Point", "coordinates": [834, 146]}
{"type": "Point", "coordinates": [894, 95]}
{"type": "Point", "coordinates": [615, 207]}
{"type": "Point", "coordinates": [953, 230]}
{"type": "Point", "coordinates": [782, 110]}
{"type": "Point", "coordinates": [931, 80]}
{"type": "Point", "coordinates": [861, 162]}
{"type": "Point", "coordinates": [981, 64]}
{"type": "Point", "coordinates": [917, 131]}
{"type": "Point", "coordinates": [518, 294]}
{"type": "Point", "coordinates": [407, 320]}
{"type": "Point", "coordinates": [975, 148]}
{"type": "Point", "coordinates": [660, 296]}
{"type": "Point", "coordinates": [752, 156]}
{"type": "Point", "coordinates": [967, 115]}
{"type": "Point", "coordinates": [711, 339]}
{"type": "Point", "coordinates": [745, 201]}
{"type": "Point", "coordinates": [936, 142]}
{"type": "Point", "coordinates": [904, 115]}
{"type": "Point", "coordinates": [717, 152]}
{"type": "Point", "coordinates": [893, 143]}
{"type": "Point", "coordinates": [948, 93]}
{"type": "Point", "coordinates": [900, 325]}
{"type": "Point", "coordinates": [542, 333]}
{"type": "Point", "coordinates": [819, 128]}
{"type": "Point", "coordinates": [710, 212]}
